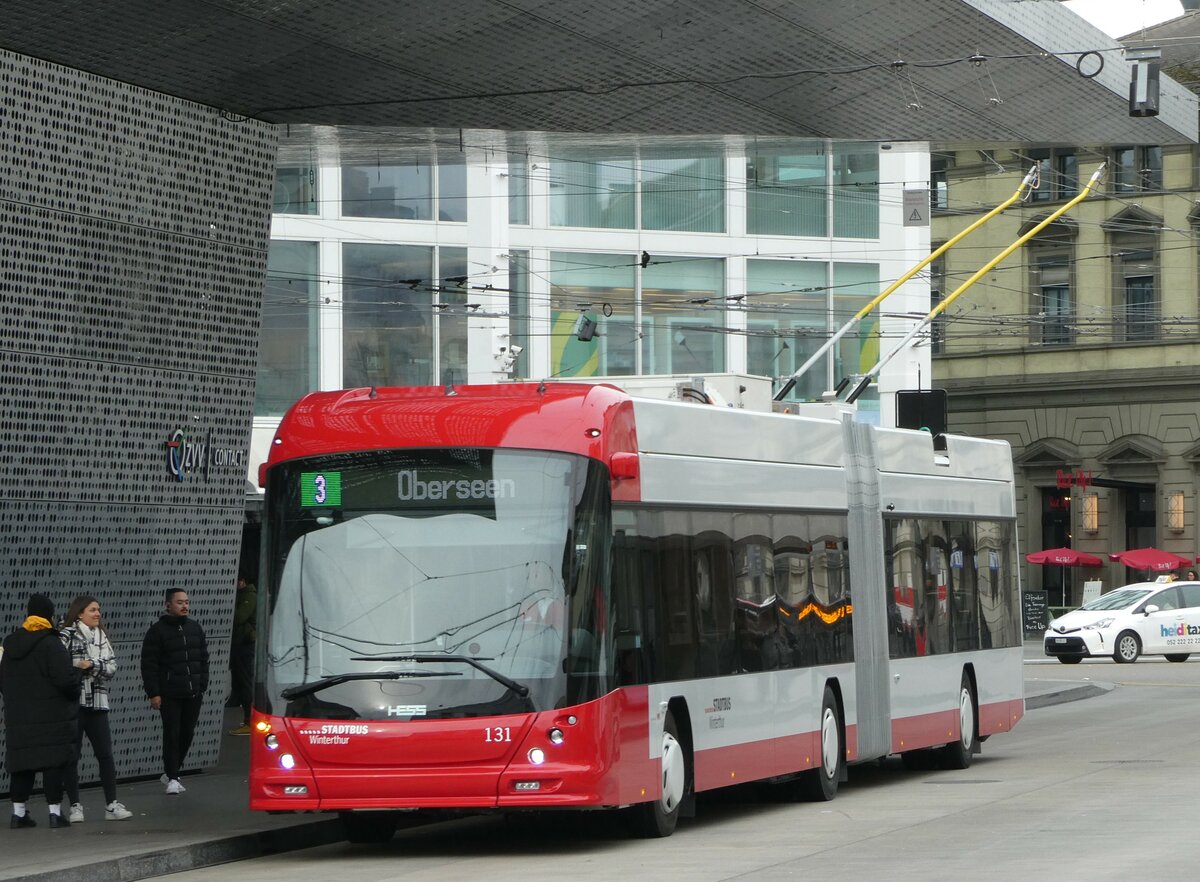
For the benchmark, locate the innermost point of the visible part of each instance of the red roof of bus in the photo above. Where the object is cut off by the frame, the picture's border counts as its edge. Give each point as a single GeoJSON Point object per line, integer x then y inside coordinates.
{"type": "Point", "coordinates": [595, 421]}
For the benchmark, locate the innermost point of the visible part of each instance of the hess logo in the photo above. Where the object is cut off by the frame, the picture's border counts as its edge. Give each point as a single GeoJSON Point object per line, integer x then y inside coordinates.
{"type": "Point", "coordinates": [406, 710]}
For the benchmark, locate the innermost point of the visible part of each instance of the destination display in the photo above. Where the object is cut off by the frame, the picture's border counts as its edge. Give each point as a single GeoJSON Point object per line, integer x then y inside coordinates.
{"type": "Point", "coordinates": [433, 485]}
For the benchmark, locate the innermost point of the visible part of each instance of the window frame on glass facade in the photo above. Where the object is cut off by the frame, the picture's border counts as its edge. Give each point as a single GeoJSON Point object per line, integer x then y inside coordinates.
{"type": "Point", "coordinates": [678, 199]}
{"type": "Point", "coordinates": [409, 189]}
{"type": "Point", "coordinates": [602, 287]}
{"type": "Point", "coordinates": [787, 319]}
{"type": "Point", "coordinates": [787, 190]}
{"type": "Point", "coordinates": [854, 187]}
{"type": "Point", "coordinates": [295, 191]}
{"type": "Point", "coordinates": [518, 189]}
{"type": "Point", "coordinates": [806, 315]}
{"type": "Point", "coordinates": [288, 351]}
{"type": "Point", "coordinates": [577, 173]}
{"type": "Point", "coordinates": [391, 198]}
{"type": "Point", "coordinates": [449, 316]}
{"type": "Point", "coordinates": [389, 297]}
{"type": "Point", "coordinates": [683, 328]}
{"type": "Point", "coordinates": [450, 195]}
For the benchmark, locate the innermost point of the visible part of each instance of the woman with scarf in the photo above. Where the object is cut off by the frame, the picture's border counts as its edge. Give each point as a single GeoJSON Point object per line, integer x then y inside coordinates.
{"type": "Point", "coordinates": [92, 653]}
{"type": "Point", "coordinates": [41, 702]}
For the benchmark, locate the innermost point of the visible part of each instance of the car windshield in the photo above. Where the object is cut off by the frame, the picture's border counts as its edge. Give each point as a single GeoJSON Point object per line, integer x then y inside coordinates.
{"type": "Point", "coordinates": [426, 584]}
{"type": "Point", "coordinates": [1118, 599]}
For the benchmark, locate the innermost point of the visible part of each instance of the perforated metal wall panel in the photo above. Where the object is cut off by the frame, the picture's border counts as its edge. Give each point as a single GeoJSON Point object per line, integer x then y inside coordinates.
{"type": "Point", "coordinates": [131, 273]}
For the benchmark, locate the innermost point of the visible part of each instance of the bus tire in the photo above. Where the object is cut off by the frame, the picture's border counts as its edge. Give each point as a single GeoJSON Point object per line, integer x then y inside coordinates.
{"type": "Point", "coordinates": [821, 784]}
{"type": "Point", "coordinates": [958, 754]}
{"type": "Point", "coordinates": [657, 819]}
{"type": "Point", "coordinates": [364, 827]}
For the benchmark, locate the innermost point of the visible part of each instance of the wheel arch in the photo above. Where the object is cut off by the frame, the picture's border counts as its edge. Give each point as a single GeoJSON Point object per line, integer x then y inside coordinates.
{"type": "Point", "coordinates": [678, 708]}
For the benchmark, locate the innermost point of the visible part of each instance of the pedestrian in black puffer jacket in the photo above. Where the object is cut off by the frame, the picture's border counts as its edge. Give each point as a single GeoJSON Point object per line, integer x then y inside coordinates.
{"type": "Point", "coordinates": [175, 677]}
{"type": "Point", "coordinates": [41, 702]}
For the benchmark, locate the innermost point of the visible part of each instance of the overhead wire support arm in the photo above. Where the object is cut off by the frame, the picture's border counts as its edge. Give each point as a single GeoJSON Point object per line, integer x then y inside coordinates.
{"type": "Point", "coordinates": [979, 274]}
{"type": "Point", "coordinates": [1028, 184]}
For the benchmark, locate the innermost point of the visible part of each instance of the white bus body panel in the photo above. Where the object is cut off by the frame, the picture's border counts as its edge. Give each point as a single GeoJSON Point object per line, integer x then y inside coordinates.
{"type": "Point", "coordinates": [699, 455]}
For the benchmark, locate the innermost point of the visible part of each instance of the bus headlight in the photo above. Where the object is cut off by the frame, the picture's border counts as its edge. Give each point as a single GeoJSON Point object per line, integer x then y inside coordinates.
{"type": "Point", "coordinates": [287, 761]}
{"type": "Point", "coordinates": [272, 742]}
{"type": "Point", "coordinates": [556, 736]}
{"type": "Point", "coordinates": [537, 756]}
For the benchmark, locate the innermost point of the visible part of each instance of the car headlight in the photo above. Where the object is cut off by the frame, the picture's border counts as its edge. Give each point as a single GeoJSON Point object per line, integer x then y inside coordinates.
{"type": "Point", "coordinates": [1097, 625]}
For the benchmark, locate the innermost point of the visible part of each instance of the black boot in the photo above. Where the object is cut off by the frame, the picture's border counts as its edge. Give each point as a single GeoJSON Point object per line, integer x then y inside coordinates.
{"type": "Point", "coordinates": [59, 821]}
{"type": "Point", "coordinates": [19, 821]}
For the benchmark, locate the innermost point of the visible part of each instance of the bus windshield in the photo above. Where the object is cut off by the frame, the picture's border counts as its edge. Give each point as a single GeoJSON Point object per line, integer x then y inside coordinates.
{"type": "Point", "coordinates": [418, 584]}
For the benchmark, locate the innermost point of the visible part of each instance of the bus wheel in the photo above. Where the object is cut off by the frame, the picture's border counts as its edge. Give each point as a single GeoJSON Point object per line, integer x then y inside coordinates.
{"type": "Point", "coordinates": [657, 819]}
{"type": "Point", "coordinates": [958, 755]}
{"type": "Point", "coordinates": [362, 827]}
{"type": "Point", "coordinates": [821, 784]}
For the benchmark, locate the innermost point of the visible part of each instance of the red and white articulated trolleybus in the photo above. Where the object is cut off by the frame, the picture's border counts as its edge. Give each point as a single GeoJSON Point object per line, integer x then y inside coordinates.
{"type": "Point", "coordinates": [562, 596]}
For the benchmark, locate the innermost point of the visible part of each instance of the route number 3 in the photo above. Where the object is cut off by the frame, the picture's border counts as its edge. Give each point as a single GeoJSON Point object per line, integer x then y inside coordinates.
{"type": "Point", "coordinates": [497, 733]}
{"type": "Point", "coordinates": [319, 493]}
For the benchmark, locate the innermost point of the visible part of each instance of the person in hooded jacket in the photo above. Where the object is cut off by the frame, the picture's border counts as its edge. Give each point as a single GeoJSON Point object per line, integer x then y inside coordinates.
{"type": "Point", "coordinates": [41, 702]}
{"type": "Point", "coordinates": [175, 677]}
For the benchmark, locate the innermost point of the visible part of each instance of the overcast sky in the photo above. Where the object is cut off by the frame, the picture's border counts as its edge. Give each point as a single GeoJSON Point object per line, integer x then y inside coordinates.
{"type": "Point", "coordinates": [1120, 17]}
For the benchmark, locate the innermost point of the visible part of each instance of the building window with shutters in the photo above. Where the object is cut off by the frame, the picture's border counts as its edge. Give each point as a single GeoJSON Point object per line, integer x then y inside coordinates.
{"type": "Point", "coordinates": [1137, 169]}
{"type": "Point", "coordinates": [1053, 306]}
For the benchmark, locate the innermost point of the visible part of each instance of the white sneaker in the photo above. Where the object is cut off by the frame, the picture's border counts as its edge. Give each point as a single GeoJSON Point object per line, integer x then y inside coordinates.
{"type": "Point", "coordinates": [75, 816]}
{"type": "Point", "coordinates": [114, 812]}
{"type": "Point", "coordinates": [174, 788]}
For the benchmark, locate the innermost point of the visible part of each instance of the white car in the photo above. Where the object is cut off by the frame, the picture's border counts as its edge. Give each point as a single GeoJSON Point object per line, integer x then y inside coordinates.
{"type": "Point", "coordinates": [1147, 618]}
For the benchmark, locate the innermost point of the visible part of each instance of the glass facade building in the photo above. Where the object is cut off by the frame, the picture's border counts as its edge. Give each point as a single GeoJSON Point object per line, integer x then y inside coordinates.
{"type": "Point", "coordinates": [660, 256]}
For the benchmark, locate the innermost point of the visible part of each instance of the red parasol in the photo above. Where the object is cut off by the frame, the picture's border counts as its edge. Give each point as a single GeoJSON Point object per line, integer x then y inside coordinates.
{"type": "Point", "coordinates": [1153, 559]}
{"type": "Point", "coordinates": [1064, 557]}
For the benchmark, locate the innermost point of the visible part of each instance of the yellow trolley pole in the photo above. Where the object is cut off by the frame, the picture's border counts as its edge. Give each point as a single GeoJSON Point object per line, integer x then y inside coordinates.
{"type": "Point", "coordinates": [1030, 182]}
{"type": "Point", "coordinates": [987, 267]}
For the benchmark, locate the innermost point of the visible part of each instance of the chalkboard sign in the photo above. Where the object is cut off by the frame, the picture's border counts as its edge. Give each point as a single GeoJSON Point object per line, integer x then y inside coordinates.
{"type": "Point", "coordinates": [1033, 609]}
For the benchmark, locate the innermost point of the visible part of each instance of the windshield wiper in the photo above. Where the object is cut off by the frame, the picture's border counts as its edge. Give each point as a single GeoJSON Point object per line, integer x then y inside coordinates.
{"type": "Point", "coordinates": [474, 661]}
{"type": "Point", "coordinates": [337, 679]}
